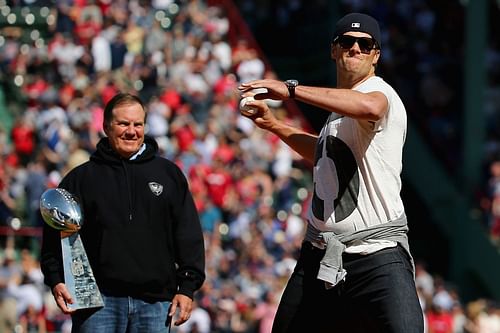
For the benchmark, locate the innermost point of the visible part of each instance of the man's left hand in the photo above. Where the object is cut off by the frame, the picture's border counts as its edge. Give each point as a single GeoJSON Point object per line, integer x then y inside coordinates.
{"type": "Point", "coordinates": [185, 305]}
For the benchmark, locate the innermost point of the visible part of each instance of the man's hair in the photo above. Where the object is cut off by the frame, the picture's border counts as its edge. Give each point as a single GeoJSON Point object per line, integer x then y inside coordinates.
{"type": "Point", "coordinates": [117, 100]}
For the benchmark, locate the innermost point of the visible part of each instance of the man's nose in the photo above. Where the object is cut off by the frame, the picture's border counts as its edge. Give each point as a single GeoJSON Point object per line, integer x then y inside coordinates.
{"type": "Point", "coordinates": [356, 47]}
{"type": "Point", "coordinates": [130, 129]}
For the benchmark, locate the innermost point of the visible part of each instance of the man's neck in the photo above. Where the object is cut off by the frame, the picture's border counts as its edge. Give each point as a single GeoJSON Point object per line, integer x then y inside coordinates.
{"type": "Point", "coordinates": [352, 81]}
{"type": "Point", "coordinates": [139, 152]}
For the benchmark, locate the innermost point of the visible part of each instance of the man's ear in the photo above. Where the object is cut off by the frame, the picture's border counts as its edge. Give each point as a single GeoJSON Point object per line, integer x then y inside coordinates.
{"type": "Point", "coordinates": [376, 57]}
{"type": "Point", "coordinates": [333, 51]}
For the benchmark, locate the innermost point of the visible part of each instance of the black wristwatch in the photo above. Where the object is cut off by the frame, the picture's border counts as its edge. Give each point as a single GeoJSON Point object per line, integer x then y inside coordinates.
{"type": "Point", "coordinates": [291, 84]}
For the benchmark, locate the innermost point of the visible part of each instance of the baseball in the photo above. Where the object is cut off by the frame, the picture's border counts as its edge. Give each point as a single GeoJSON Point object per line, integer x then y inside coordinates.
{"type": "Point", "coordinates": [245, 109]}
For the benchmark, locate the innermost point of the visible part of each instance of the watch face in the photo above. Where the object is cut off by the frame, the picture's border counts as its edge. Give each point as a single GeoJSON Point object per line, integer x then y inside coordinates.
{"type": "Point", "coordinates": [291, 84]}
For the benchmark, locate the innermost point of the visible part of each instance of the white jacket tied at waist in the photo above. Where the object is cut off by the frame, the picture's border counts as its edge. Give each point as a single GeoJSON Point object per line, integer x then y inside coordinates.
{"type": "Point", "coordinates": [331, 267]}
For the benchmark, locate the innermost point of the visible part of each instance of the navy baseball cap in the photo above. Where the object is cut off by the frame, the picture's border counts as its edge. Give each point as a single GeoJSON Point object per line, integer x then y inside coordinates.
{"type": "Point", "coordinates": [358, 22]}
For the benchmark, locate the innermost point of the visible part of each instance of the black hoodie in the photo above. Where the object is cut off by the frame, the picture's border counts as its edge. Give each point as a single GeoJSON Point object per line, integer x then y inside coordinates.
{"type": "Point", "coordinates": [141, 230]}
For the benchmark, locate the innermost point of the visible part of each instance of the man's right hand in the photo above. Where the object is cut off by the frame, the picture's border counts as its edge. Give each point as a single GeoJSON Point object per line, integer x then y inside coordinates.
{"type": "Point", "coordinates": [62, 297]}
{"type": "Point", "coordinates": [262, 117]}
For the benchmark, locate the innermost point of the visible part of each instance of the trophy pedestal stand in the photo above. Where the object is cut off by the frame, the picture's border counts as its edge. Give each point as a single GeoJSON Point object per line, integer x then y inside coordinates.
{"type": "Point", "coordinates": [78, 275]}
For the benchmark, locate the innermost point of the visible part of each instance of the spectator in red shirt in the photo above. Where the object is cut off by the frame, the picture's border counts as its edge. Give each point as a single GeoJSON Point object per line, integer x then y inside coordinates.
{"type": "Point", "coordinates": [218, 181]}
{"type": "Point", "coordinates": [439, 320]}
{"type": "Point", "coordinates": [23, 138]}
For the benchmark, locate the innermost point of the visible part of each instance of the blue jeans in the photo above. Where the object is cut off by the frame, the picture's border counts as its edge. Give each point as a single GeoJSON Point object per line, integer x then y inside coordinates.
{"type": "Point", "coordinates": [123, 315]}
{"type": "Point", "coordinates": [378, 296]}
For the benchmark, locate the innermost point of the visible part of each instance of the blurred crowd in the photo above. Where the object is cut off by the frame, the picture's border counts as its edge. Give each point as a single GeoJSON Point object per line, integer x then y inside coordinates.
{"type": "Point", "coordinates": [251, 190]}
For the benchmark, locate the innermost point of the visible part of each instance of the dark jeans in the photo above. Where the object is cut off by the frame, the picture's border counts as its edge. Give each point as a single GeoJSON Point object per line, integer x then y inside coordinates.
{"type": "Point", "coordinates": [378, 295]}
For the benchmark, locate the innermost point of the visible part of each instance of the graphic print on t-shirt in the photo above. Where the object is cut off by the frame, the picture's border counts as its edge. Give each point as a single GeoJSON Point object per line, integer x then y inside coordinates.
{"type": "Point", "coordinates": [336, 181]}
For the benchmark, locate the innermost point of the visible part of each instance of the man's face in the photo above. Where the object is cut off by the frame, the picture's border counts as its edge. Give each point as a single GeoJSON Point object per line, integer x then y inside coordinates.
{"type": "Point", "coordinates": [126, 130]}
{"type": "Point", "coordinates": [353, 53]}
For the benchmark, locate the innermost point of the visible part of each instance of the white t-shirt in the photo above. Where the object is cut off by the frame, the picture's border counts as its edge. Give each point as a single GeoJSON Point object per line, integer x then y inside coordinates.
{"type": "Point", "coordinates": [357, 171]}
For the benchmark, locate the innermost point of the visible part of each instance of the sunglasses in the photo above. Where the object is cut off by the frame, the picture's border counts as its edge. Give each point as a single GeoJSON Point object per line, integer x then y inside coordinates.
{"type": "Point", "coordinates": [366, 45]}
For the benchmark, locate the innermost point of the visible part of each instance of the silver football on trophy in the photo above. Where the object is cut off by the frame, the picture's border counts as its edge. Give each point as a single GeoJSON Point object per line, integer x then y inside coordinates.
{"type": "Point", "coordinates": [61, 210]}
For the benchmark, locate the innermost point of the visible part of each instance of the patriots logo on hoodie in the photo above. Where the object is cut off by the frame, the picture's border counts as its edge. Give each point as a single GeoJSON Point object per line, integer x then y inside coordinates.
{"type": "Point", "coordinates": [155, 188]}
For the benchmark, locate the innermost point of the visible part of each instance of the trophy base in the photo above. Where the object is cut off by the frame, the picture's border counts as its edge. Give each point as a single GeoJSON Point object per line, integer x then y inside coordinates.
{"type": "Point", "coordinates": [78, 275]}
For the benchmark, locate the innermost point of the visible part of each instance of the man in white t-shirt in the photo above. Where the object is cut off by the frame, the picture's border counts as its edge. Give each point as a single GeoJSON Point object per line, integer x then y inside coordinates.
{"type": "Point", "coordinates": [355, 272]}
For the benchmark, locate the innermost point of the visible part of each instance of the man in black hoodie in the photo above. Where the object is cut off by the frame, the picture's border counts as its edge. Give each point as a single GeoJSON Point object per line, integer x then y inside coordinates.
{"type": "Point", "coordinates": [141, 230]}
